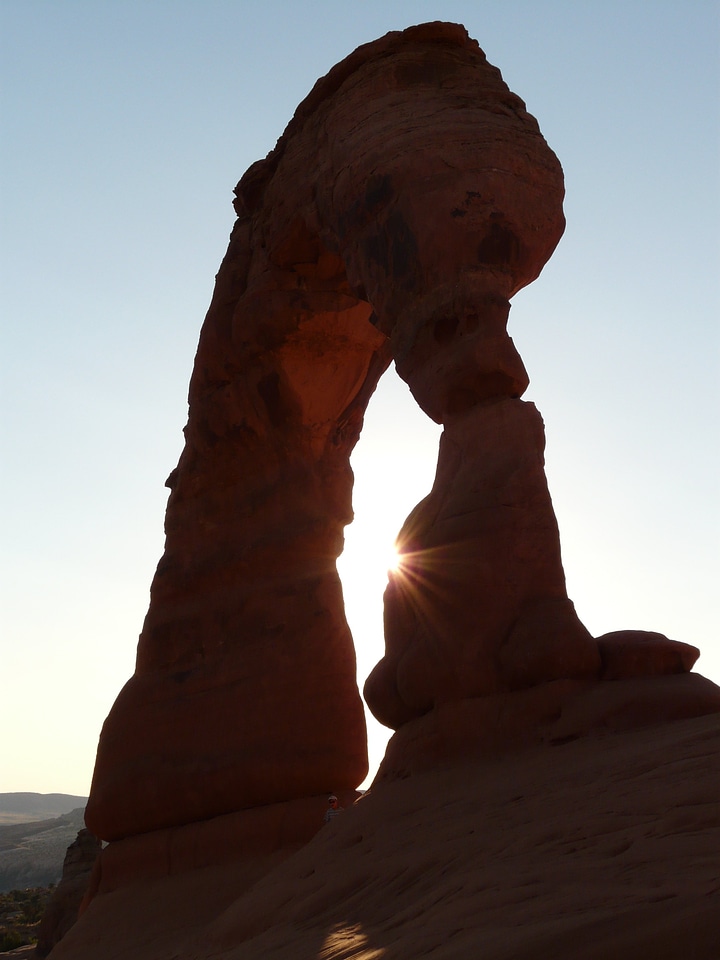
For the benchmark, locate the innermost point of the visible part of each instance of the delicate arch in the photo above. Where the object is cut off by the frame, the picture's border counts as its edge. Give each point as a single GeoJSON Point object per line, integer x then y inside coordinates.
{"type": "Point", "coordinates": [409, 198]}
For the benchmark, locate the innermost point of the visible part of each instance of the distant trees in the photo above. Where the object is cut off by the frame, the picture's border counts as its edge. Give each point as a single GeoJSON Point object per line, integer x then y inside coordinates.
{"type": "Point", "coordinates": [20, 914]}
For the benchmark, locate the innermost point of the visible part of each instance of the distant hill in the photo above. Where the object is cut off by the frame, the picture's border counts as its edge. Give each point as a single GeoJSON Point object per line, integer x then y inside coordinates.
{"type": "Point", "coordinates": [25, 807]}
{"type": "Point", "coordinates": [32, 853]}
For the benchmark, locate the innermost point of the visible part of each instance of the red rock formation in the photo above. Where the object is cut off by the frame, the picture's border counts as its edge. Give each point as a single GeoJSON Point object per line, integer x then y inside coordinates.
{"type": "Point", "coordinates": [478, 605]}
{"type": "Point", "coordinates": [534, 795]}
{"type": "Point", "coordinates": [641, 653]}
{"type": "Point", "coordinates": [409, 198]}
{"type": "Point", "coordinates": [63, 908]}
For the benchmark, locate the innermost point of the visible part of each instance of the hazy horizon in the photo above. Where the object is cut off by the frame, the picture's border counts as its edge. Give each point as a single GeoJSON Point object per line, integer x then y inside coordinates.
{"type": "Point", "coordinates": [126, 126]}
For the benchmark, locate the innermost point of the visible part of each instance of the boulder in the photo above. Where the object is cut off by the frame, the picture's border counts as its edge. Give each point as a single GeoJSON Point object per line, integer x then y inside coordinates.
{"type": "Point", "coordinates": [638, 653]}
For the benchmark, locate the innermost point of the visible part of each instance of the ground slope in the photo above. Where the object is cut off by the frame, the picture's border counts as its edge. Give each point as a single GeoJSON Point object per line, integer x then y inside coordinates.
{"type": "Point", "coordinates": [604, 846]}
{"type": "Point", "coordinates": [32, 854]}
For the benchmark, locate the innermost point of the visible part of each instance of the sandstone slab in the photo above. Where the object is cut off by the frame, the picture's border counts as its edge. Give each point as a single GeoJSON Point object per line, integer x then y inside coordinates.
{"type": "Point", "coordinates": [608, 841]}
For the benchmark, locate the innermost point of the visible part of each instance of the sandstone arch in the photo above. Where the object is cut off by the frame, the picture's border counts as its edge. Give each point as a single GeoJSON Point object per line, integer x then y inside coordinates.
{"type": "Point", "coordinates": [409, 198]}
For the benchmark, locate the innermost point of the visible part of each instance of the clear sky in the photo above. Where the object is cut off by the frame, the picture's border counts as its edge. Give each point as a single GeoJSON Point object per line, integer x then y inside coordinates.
{"type": "Point", "coordinates": [125, 126]}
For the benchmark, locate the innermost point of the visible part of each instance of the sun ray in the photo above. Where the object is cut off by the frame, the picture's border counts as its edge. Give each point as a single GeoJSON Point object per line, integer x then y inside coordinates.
{"type": "Point", "coordinates": [394, 559]}
{"type": "Point", "coordinates": [424, 579]}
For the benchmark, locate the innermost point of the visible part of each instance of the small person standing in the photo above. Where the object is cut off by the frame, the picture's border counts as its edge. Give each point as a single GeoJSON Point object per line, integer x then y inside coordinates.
{"type": "Point", "coordinates": [334, 809]}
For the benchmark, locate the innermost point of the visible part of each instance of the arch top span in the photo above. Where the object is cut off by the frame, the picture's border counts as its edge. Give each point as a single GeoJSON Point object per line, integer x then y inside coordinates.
{"type": "Point", "coordinates": [409, 198]}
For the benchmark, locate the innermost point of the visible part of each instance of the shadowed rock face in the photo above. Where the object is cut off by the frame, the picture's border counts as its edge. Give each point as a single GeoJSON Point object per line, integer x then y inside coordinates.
{"type": "Point", "coordinates": [409, 198]}
{"type": "Point", "coordinates": [62, 911]}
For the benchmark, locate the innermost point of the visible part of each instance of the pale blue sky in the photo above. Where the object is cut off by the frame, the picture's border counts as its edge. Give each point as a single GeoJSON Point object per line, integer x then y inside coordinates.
{"type": "Point", "coordinates": [125, 126]}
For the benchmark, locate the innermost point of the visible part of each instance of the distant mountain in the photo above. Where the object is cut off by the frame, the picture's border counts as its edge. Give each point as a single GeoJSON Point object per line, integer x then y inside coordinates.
{"type": "Point", "coordinates": [25, 807]}
{"type": "Point", "coordinates": [32, 853]}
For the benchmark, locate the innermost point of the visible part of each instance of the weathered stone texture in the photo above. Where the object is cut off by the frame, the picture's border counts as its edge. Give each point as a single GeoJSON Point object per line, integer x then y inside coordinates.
{"type": "Point", "coordinates": [409, 198]}
{"type": "Point", "coordinates": [64, 906]}
{"type": "Point", "coordinates": [479, 606]}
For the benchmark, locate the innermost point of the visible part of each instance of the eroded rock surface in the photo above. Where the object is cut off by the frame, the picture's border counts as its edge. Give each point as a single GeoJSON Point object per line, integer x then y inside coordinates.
{"type": "Point", "coordinates": [409, 198]}
{"type": "Point", "coordinates": [478, 605]}
{"type": "Point", "coordinates": [64, 906]}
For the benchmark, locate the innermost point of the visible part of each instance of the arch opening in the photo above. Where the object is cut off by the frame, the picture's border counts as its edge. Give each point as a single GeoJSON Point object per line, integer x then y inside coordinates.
{"type": "Point", "coordinates": [394, 465]}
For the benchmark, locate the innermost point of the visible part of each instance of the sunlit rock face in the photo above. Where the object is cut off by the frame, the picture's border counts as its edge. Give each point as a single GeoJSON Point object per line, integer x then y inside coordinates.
{"type": "Point", "coordinates": [409, 198]}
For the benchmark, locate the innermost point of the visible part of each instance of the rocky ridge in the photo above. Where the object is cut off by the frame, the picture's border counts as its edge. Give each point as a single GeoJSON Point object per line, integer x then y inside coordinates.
{"type": "Point", "coordinates": [26, 807]}
{"type": "Point", "coordinates": [31, 854]}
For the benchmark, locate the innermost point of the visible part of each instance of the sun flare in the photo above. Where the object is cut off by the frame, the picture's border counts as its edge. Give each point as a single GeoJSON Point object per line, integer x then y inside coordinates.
{"type": "Point", "coordinates": [393, 559]}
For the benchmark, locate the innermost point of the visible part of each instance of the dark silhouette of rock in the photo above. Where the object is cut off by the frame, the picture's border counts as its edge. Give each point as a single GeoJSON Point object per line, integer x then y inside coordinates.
{"type": "Point", "coordinates": [641, 653]}
{"type": "Point", "coordinates": [353, 246]}
{"type": "Point", "coordinates": [535, 794]}
{"type": "Point", "coordinates": [410, 197]}
{"type": "Point", "coordinates": [64, 906]}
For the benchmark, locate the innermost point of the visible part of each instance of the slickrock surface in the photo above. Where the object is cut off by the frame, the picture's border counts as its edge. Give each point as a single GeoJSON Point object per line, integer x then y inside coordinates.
{"type": "Point", "coordinates": [603, 847]}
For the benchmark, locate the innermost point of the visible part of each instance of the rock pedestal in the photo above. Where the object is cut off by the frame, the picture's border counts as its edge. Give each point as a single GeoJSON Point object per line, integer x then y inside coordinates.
{"type": "Point", "coordinates": [478, 605]}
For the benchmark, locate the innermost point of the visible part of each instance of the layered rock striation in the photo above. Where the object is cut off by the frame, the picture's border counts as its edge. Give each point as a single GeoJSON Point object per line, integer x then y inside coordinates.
{"type": "Point", "coordinates": [407, 201]}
